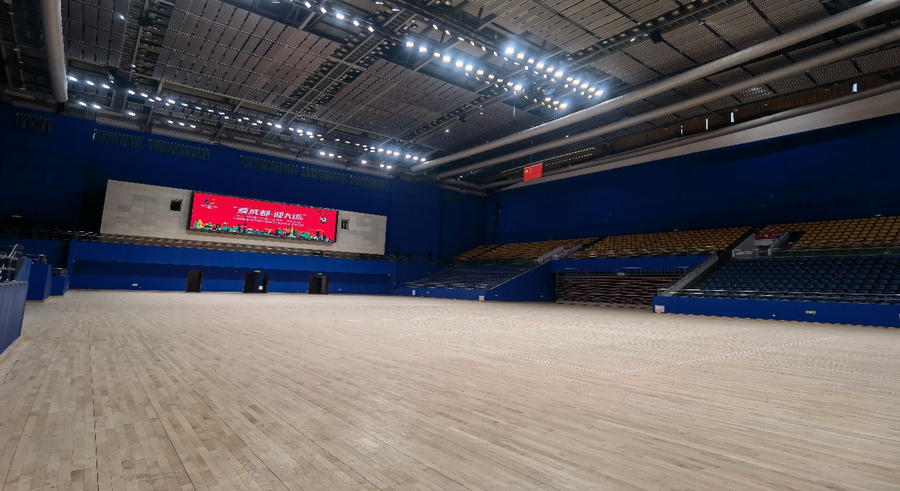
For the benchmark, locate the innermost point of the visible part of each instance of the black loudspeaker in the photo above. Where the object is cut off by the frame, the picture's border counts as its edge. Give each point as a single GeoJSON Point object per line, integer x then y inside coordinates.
{"type": "Point", "coordinates": [656, 36]}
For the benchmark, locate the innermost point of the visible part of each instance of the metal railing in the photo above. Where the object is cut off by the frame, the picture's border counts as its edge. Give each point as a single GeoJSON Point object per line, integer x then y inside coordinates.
{"type": "Point", "coordinates": [820, 252]}
{"type": "Point", "coordinates": [637, 270]}
{"type": "Point", "coordinates": [703, 251]}
{"type": "Point", "coordinates": [71, 235]}
{"type": "Point", "coordinates": [9, 258]}
{"type": "Point", "coordinates": [884, 298]}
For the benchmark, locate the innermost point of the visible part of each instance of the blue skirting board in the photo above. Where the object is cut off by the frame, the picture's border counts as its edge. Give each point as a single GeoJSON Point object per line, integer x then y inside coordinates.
{"type": "Point", "coordinates": [824, 312]}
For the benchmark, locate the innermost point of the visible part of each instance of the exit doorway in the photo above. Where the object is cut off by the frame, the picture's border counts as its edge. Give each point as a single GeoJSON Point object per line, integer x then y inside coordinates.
{"type": "Point", "coordinates": [318, 284]}
{"type": "Point", "coordinates": [256, 282]}
{"type": "Point", "coordinates": [194, 280]}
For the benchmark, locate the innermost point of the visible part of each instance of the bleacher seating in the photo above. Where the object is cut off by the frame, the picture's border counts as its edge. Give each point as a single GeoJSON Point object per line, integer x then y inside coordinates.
{"type": "Point", "coordinates": [684, 242]}
{"type": "Point", "coordinates": [859, 232]}
{"type": "Point", "coordinates": [856, 279]}
{"type": "Point", "coordinates": [611, 288]}
{"type": "Point", "coordinates": [474, 277]}
{"type": "Point", "coordinates": [528, 250]}
{"type": "Point", "coordinates": [474, 253]}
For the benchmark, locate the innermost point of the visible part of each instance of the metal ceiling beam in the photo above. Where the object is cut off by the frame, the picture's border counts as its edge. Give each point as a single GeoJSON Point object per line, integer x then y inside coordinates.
{"type": "Point", "coordinates": [336, 73]}
{"type": "Point", "coordinates": [728, 130]}
{"type": "Point", "coordinates": [816, 29]}
{"type": "Point", "coordinates": [834, 55]}
{"type": "Point", "coordinates": [51, 22]}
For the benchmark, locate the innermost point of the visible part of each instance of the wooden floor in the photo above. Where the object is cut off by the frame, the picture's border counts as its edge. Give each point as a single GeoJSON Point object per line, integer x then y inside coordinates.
{"type": "Point", "coordinates": [140, 391]}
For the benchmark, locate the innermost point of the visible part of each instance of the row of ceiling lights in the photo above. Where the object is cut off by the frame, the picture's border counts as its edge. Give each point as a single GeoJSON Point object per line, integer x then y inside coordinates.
{"type": "Point", "coordinates": [584, 89]}
{"type": "Point", "coordinates": [576, 84]}
{"type": "Point", "coordinates": [235, 118]}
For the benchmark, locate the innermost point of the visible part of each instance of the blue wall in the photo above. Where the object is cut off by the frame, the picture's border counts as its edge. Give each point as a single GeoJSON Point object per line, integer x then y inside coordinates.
{"type": "Point", "coordinates": [101, 266]}
{"type": "Point", "coordinates": [58, 180]}
{"type": "Point", "coordinates": [12, 311]}
{"type": "Point", "coordinates": [39, 282]}
{"type": "Point", "coordinates": [59, 285]}
{"type": "Point", "coordinates": [826, 312]}
{"type": "Point", "coordinates": [847, 171]}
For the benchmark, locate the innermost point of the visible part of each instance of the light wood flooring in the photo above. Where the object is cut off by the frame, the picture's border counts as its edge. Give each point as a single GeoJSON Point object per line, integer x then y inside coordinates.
{"type": "Point", "coordinates": [141, 391]}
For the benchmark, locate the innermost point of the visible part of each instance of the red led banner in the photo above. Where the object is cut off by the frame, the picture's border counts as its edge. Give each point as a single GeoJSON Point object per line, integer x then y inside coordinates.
{"type": "Point", "coordinates": [224, 214]}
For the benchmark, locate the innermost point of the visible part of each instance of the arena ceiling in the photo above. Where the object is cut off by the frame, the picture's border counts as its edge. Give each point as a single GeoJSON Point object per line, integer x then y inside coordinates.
{"type": "Point", "coordinates": [385, 86]}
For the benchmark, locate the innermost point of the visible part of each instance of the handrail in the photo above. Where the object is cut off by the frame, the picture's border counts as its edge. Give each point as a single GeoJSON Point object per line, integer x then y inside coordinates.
{"type": "Point", "coordinates": [757, 294]}
{"type": "Point", "coordinates": [9, 262]}
{"type": "Point", "coordinates": [70, 235]}
{"type": "Point", "coordinates": [821, 252]}
{"type": "Point", "coordinates": [636, 270]}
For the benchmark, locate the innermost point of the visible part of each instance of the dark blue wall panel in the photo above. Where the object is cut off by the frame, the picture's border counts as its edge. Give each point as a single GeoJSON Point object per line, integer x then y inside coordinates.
{"type": "Point", "coordinates": [448, 293]}
{"type": "Point", "coordinates": [12, 311]}
{"type": "Point", "coordinates": [847, 171]}
{"type": "Point", "coordinates": [39, 282]}
{"type": "Point", "coordinates": [832, 313]}
{"type": "Point", "coordinates": [58, 180]}
{"type": "Point", "coordinates": [96, 265]}
{"type": "Point", "coordinates": [533, 286]}
{"type": "Point", "coordinates": [59, 285]}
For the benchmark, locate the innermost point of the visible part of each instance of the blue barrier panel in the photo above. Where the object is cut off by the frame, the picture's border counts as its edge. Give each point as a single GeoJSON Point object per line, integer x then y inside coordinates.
{"type": "Point", "coordinates": [39, 282]}
{"type": "Point", "coordinates": [533, 286]}
{"type": "Point", "coordinates": [825, 312]}
{"type": "Point", "coordinates": [12, 311]}
{"type": "Point", "coordinates": [24, 271]}
{"type": "Point", "coordinates": [451, 293]}
{"type": "Point", "coordinates": [102, 266]}
{"type": "Point", "coordinates": [59, 285]}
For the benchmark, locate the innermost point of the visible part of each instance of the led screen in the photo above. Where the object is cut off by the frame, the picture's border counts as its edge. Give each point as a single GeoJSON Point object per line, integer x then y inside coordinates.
{"type": "Point", "coordinates": [224, 214]}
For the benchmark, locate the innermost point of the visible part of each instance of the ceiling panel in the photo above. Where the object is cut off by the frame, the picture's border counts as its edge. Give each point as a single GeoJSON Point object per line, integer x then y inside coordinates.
{"type": "Point", "coordinates": [841, 70]}
{"type": "Point", "coordinates": [874, 62]}
{"type": "Point", "coordinates": [623, 67]}
{"type": "Point", "coordinates": [740, 26]}
{"type": "Point", "coordinates": [698, 42]}
{"type": "Point", "coordinates": [791, 14]}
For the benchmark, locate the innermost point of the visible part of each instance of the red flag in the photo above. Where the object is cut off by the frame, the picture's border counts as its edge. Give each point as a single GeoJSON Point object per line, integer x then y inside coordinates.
{"type": "Point", "coordinates": [534, 172]}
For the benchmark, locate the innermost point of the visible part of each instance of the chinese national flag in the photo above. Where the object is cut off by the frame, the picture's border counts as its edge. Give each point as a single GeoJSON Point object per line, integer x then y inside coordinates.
{"type": "Point", "coordinates": [533, 172]}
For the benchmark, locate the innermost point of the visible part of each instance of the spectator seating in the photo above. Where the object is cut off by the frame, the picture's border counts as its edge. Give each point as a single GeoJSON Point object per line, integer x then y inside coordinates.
{"type": "Point", "coordinates": [474, 253]}
{"type": "Point", "coordinates": [474, 277]}
{"type": "Point", "coordinates": [686, 242]}
{"type": "Point", "coordinates": [856, 279]}
{"type": "Point", "coordinates": [611, 288]}
{"type": "Point", "coordinates": [860, 232]}
{"type": "Point", "coordinates": [528, 250]}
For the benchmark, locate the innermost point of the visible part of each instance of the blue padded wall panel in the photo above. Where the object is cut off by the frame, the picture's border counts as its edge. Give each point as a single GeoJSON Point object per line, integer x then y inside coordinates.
{"type": "Point", "coordinates": [825, 312]}
{"type": "Point", "coordinates": [39, 282]}
{"type": "Point", "coordinates": [120, 266]}
{"type": "Point", "coordinates": [12, 311]}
